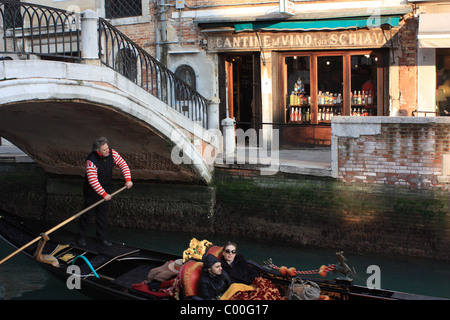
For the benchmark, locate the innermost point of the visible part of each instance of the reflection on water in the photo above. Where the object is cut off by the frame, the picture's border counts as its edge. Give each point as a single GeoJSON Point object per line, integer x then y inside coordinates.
{"type": "Point", "coordinates": [22, 279]}
{"type": "Point", "coordinates": [17, 278]}
{"type": "Point", "coordinates": [414, 275]}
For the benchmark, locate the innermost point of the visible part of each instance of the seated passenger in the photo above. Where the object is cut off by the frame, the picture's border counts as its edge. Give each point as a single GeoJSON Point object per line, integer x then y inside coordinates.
{"type": "Point", "coordinates": [236, 265]}
{"type": "Point", "coordinates": [213, 281]}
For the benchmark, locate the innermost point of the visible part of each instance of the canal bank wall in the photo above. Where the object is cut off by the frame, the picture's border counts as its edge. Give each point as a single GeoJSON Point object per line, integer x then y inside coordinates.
{"type": "Point", "coordinates": [286, 208]}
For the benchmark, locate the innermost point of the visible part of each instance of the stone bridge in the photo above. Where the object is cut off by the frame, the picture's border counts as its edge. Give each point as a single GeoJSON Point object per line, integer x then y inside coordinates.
{"type": "Point", "coordinates": [106, 86]}
{"type": "Point", "coordinates": [53, 111]}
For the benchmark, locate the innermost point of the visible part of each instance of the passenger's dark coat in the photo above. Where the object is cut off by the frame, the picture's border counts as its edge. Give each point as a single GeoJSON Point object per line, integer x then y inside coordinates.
{"type": "Point", "coordinates": [239, 271]}
{"type": "Point", "coordinates": [211, 286]}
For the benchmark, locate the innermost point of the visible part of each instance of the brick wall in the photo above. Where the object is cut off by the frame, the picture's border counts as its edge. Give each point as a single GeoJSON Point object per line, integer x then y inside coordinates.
{"type": "Point", "coordinates": [142, 33]}
{"type": "Point", "coordinates": [393, 150]}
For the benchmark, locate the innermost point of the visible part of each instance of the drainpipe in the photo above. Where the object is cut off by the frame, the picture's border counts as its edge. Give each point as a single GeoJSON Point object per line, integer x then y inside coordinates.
{"type": "Point", "coordinates": [157, 36]}
{"type": "Point", "coordinates": [161, 31]}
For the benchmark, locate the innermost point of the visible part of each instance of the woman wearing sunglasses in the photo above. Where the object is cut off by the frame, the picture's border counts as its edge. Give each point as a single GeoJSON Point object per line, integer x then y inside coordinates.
{"type": "Point", "coordinates": [236, 265]}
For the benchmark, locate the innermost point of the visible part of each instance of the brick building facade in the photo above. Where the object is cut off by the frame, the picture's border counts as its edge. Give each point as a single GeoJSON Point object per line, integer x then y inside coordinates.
{"type": "Point", "coordinates": [210, 32]}
{"type": "Point", "coordinates": [253, 81]}
{"type": "Point", "coordinates": [404, 151]}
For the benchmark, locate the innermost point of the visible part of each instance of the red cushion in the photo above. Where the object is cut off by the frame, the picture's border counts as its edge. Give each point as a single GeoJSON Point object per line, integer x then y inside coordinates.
{"type": "Point", "coordinates": [192, 270]}
{"type": "Point", "coordinates": [190, 275]}
{"type": "Point", "coordinates": [216, 251]}
{"type": "Point", "coordinates": [167, 284]}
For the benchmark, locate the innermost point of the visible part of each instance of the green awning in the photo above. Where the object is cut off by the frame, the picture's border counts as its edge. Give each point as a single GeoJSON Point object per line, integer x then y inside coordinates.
{"type": "Point", "coordinates": [315, 25]}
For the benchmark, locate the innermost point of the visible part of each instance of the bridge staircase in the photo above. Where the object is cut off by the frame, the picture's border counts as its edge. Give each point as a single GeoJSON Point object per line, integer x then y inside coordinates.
{"type": "Point", "coordinates": [58, 65]}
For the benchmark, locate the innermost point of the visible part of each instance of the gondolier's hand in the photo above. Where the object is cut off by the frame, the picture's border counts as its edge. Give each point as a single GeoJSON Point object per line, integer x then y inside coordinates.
{"type": "Point", "coordinates": [107, 197]}
{"type": "Point", "coordinates": [128, 184]}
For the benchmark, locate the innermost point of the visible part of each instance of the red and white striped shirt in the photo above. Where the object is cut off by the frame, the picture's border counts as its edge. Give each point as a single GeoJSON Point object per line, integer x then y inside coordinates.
{"type": "Point", "coordinates": [92, 175]}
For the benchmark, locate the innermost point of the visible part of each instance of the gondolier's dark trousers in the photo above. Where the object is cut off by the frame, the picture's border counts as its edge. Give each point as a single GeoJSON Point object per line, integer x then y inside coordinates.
{"type": "Point", "coordinates": [101, 218]}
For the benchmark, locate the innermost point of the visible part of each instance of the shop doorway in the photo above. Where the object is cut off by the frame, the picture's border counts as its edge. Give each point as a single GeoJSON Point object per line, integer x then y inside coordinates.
{"type": "Point", "coordinates": [240, 89]}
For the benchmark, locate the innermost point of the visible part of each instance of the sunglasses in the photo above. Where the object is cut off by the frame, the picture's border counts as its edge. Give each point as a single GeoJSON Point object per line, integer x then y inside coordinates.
{"type": "Point", "coordinates": [230, 251]}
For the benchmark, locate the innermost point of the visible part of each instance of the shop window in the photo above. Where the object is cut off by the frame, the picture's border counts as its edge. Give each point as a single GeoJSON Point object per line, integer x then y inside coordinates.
{"type": "Point", "coordinates": [330, 85]}
{"type": "Point", "coordinates": [299, 86]}
{"type": "Point", "coordinates": [122, 9]}
{"type": "Point", "coordinates": [443, 81]}
{"type": "Point", "coordinates": [363, 94]}
{"type": "Point", "coordinates": [318, 86]}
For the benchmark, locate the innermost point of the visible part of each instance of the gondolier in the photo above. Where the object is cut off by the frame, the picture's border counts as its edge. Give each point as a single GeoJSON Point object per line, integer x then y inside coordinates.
{"type": "Point", "coordinates": [99, 168]}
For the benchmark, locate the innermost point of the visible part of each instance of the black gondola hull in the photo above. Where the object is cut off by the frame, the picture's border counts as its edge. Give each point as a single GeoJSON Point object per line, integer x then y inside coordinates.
{"type": "Point", "coordinates": [112, 271]}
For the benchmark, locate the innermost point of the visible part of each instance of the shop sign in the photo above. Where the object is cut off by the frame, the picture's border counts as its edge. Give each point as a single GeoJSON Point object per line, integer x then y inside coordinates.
{"type": "Point", "coordinates": [287, 7]}
{"type": "Point", "coordinates": [374, 38]}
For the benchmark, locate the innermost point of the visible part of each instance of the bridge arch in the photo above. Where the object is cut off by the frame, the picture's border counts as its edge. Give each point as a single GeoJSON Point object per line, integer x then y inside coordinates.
{"type": "Point", "coordinates": [54, 110]}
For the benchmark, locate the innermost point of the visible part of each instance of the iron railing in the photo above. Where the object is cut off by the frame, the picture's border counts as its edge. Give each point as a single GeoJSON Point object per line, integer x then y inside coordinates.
{"type": "Point", "coordinates": [120, 53]}
{"type": "Point", "coordinates": [34, 29]}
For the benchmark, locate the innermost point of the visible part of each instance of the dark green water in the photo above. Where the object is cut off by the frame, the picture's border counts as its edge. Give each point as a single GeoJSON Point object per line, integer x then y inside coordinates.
{"type": "Point", "coordinates": [21, 279]}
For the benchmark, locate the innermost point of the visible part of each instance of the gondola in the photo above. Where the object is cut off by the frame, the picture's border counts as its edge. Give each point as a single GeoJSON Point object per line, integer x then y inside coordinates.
{"type": "Point", "coordinates": [114, 272]}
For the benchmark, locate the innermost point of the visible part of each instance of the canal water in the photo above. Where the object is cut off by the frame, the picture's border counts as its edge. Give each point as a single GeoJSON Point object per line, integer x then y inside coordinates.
{"type": "Point", "coordinates": [21, 279]}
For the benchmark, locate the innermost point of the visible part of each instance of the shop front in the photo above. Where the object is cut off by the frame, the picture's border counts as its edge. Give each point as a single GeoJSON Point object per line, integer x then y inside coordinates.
{"type": "Point", "coordinates": [320, 85]}
{"type": "Point", "coordinates": [310, 73]}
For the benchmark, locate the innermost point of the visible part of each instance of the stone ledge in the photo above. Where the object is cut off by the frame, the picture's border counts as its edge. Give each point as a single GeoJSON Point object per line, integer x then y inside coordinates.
{"type": "Point", "coordinates": [381, 120]}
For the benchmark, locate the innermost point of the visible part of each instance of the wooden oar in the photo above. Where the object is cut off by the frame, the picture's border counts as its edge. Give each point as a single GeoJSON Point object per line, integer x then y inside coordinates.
{"type": "Point", "coordinates": [60, 225]}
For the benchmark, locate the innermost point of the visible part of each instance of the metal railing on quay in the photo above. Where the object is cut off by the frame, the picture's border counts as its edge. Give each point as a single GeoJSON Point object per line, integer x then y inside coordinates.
{"type": "Point", "coordinates": [417, 113]}
{"type": "Point", "coordinates": [40, 30]}
{"type": "Point", "coordinates": [122, 54]}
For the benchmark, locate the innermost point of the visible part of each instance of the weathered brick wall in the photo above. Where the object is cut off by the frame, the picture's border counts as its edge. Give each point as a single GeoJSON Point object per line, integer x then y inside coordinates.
{"type": "Point", "coordinates": [142, 33]}
{"type": "Point", "coordinates": [396, 150]}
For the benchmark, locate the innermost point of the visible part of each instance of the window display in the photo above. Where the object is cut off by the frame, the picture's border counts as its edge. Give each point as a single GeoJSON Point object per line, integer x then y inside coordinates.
{"type": "Point", "coordinates": [321, 85]}
{"type": "Point", "coordinates": [330, 82]}
{"type": "Point", "coordinates": [363, 85]}
{"type": "Point", "coordinates": [299, 86]}
{"type": "Point", "coordinates": [443, 82]}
